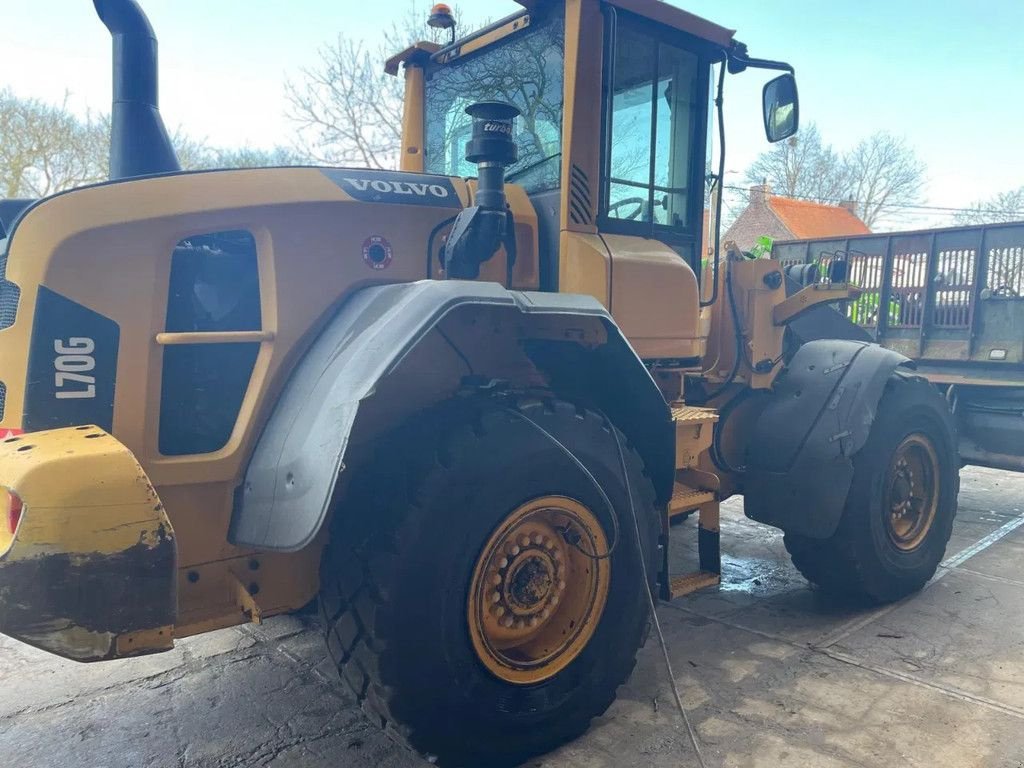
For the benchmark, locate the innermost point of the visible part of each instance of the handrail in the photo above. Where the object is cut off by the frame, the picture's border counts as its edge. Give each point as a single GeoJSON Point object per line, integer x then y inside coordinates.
{"type": "Point", "coordinates": [213, 337]}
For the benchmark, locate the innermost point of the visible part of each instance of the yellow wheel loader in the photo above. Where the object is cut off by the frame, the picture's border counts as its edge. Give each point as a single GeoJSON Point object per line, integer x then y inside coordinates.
{"type": "Point", "coordinates": [458, 404]}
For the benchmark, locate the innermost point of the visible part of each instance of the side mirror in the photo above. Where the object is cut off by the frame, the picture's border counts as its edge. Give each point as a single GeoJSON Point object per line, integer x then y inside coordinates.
{"type": "Point", "coordinates": [781, 108]}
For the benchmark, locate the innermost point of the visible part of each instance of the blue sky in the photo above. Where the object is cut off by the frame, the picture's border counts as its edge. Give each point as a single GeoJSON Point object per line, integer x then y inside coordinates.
{"type": "Point", "coordinates": [946, 75]}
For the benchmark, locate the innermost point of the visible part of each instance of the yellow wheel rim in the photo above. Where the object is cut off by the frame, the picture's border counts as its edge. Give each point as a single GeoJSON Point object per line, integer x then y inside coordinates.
{"type": "Point", "coordinates": [911, 492]}
{"type": "Point", "coordinates": [535, 599]}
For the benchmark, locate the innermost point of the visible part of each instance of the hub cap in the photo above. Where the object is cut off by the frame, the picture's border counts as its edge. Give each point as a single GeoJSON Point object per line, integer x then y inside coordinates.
{"type": "Point", "coordinates": [535, 599]}
{"type": "Point", "coordinates": [911, 492]}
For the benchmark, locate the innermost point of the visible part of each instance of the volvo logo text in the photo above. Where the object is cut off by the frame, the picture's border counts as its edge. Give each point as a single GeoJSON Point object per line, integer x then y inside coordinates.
{"type": "Point", "coordinates": [399, 187]}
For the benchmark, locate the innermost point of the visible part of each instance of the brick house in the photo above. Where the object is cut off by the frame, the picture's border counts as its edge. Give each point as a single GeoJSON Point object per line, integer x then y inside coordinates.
{"type": "Point", "coordinates": [783, 218]}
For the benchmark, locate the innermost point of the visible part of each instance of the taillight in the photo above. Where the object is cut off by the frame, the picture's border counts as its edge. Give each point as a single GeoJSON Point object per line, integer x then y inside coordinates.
{"type": "Point", "coordinates": [13, 512]}
{"type": "Point", "coordinates": [14, 509]}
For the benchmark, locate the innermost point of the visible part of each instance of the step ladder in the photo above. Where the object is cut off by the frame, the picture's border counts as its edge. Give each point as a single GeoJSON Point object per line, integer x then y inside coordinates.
{"type": "Point", "coordinates": [694, 491]}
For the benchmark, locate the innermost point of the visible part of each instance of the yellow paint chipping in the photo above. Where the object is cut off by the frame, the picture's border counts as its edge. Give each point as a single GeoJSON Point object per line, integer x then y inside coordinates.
{"type": "Point", "coordinates": [83, 493]}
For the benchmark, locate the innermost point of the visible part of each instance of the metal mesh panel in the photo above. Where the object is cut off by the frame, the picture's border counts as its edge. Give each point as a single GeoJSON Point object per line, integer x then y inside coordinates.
{"type": "Point", "coordinates": [9, 294]}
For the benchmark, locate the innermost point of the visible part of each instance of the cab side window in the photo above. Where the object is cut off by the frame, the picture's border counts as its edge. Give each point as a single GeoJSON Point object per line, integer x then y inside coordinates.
{"type": "Point", "coordinates": [654, 106]}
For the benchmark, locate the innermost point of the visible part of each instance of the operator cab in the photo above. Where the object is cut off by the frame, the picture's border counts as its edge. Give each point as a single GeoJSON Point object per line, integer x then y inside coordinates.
{"type": "Point", "coordinates": [651, 126]}
{"type": "Point", "coordinates": [614, 100]}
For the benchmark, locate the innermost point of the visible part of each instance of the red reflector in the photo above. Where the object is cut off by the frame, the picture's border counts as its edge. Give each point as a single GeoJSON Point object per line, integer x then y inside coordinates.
{"type": "Point", "coordinates": [14, 508]}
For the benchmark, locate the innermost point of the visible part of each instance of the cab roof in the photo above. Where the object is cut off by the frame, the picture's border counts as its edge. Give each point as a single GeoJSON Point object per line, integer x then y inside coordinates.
{"type": "Point", "coordinates": [663, 13]}
{"type": "Point", "coordinates": [655, 10]}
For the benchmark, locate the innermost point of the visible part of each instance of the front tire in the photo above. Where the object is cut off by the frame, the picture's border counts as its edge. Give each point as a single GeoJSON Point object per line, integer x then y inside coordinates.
{"type": "Point", "coordinates": [469, 503]}
{"type": "Point", "coordinates": [899, 513]}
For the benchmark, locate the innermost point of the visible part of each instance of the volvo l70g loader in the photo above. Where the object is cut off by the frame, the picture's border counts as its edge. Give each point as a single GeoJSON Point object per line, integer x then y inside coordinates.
{"type": "Point", "coordinates": [458, 403]}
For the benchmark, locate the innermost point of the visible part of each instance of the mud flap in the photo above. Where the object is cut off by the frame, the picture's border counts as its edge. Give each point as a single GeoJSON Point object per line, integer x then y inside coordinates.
{"type": "Point", "coordinates": [800, 457]}
{"type": "Point", "coordinates": [90, 572]}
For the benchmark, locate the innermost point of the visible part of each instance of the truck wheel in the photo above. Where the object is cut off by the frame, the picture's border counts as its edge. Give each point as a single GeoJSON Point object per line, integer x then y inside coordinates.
{"type": "Point", "coordinates": [899, 513]}
{"type": "Point", "coordinates": [463, 602]}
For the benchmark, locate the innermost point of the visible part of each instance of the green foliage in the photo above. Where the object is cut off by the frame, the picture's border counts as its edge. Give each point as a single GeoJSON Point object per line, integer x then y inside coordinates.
{"type": "Point", "coordinates": [864, 311]}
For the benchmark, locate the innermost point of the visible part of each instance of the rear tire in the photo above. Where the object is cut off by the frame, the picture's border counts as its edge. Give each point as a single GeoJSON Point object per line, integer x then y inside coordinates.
{"type": "Point", "coordinates": [396, 577]}
{"type": "Point", "coordinates": [899, 513]}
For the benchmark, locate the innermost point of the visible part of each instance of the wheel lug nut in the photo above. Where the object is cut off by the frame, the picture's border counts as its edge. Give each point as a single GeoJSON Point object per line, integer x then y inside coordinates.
{"type": "Point", "coordinates": [533, 621]}
{"type": "Point", "coordinates": [561, 586]}
{"type": "Point", "coordinates": [499, 611]}
{"type": "Point", "coordinates": [496, 579]}
{"type": "Point", "coordinates": [545, 613]}
{"type": "Point", "coordinates": [524, 541]}
{"type": "Point", "coordinates": [546, 542]}
{"type": "Point", "coordinates": [538, 539]}
{"type": "Point", "coordinates": [503, 563]}
{"type": "Point", "coordinates": [496, 597]}
{"type": "Point", "coordinates": [506, 622]}
{"type": "Point", "coordinates": [513, 550]}
{"type": "Point", "coordinates": [554, 600]}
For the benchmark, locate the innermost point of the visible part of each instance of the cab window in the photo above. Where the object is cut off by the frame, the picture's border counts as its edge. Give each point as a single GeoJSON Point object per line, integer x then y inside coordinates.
{"type": "Point", "coordinates": [524, 69]}
{"type": "Point", "coordinates": [653, 105]}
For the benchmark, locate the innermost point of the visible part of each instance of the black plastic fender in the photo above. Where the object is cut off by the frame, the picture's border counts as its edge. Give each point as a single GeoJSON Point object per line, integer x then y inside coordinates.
{"type": "Point", "coordinates": [291, 477]}
{"type": "Point", "coordinates": [800, 457]}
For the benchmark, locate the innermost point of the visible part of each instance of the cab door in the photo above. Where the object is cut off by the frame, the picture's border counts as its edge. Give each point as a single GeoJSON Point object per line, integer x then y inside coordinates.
{"type": "Point", "coordinates": [655, 106]}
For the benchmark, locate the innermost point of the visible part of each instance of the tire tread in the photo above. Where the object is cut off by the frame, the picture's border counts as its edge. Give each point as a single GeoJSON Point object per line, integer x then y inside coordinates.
{"type": "Point", "coordinates": [355, 610]}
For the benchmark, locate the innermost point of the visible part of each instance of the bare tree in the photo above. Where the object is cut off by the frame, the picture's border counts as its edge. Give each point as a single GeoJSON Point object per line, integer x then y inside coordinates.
{"type": "Point", "coordinates": [881, 174]}
{"type": "Point", "coordinates": [345, 106]}
{"type": "Point", "coordinates": [45, 149]}
{"type": "Point", "coordinates": [197, 156]}
{"type": "Point", "coordinates": [884, 176]}
{"type": "Point", "coordinates": [1004, 207]}
{"type": "Point", "coordinates": [347, 109]}
{"type": "Point", "coordinates": [802, 167]}
{"type": "Point", "coordinates": [1005, 266]}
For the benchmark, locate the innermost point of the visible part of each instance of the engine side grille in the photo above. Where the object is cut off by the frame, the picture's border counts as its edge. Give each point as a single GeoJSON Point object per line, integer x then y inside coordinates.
{"type": "Point", "coordinates": [9, 295]}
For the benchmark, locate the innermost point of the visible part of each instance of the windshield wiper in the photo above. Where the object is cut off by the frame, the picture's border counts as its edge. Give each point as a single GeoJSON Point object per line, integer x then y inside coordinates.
{"type": "Point", "coordinates": [532, 166]}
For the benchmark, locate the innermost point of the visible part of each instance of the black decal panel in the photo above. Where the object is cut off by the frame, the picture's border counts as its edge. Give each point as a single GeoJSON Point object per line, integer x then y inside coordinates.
{"type": "Point", "coordinates": [396, 187]}
{"type": "Point", "coordinates": [72, 366]}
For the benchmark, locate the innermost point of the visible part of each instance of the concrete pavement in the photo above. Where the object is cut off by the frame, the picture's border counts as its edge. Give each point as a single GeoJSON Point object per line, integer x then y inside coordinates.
{"type": "Point", "coordinates": [772, 673]}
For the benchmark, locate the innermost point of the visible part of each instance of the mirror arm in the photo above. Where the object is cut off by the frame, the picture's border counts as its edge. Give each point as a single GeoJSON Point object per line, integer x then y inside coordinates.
{"type": "Point", "coordinates": [740, 61]}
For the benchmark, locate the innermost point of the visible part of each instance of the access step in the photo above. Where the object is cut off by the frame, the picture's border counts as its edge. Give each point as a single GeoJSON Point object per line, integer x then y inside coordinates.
{"type": "Point", "coordinates": [694, 431]}
{"type": "Point", "coordinates": [692, 582]}
{"type": "Point", "coordinates": [686, 499]}
{"type": "Point", "coordinates": [682, 413]}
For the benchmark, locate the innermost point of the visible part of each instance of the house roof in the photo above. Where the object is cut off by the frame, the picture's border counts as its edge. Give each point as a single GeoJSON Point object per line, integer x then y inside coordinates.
{"type": "Point", "coordinates": [808, 220]}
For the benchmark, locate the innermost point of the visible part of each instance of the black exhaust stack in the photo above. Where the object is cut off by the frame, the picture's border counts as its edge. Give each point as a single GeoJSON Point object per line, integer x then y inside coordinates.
{"type": "Point", "coordinates": [139, 144]}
